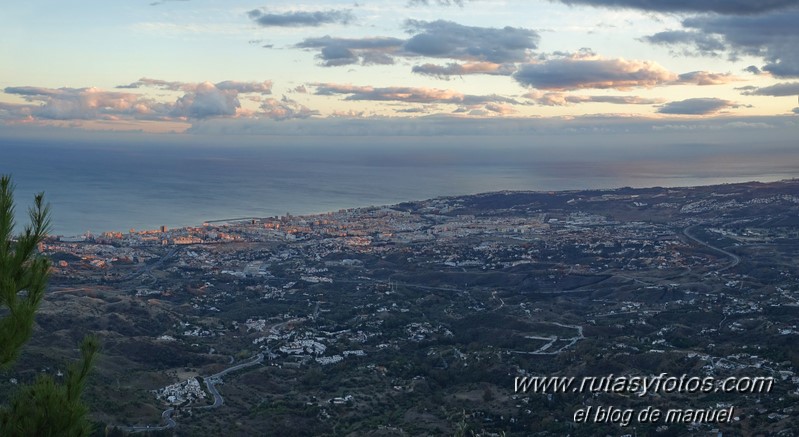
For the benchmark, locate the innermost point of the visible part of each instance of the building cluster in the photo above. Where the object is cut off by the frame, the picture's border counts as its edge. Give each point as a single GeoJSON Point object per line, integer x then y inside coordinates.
{"type": "Point", "coordinates": [181, 393]}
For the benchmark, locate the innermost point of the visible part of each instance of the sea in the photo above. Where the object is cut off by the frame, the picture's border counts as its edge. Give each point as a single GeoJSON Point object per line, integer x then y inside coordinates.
{"type": "Point", "coordinates": [99, 187]}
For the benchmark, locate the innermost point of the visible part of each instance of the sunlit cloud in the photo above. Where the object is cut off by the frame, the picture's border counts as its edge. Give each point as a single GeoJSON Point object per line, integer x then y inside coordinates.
{"type": "Point", "coordinates": [696, 106]}
{"type": "Point", "coordinates": [572, 74]}
{"type": "Point", "coordinates": [286, 109]}
{"type": "Point", "coordinates": [561, 99]}
{"type": "Point", "coordinates": [456, 69]}
{"type": "Point", "coordinates": [706, 78]}
{"type": "Point", "coordinates": [198, 100]}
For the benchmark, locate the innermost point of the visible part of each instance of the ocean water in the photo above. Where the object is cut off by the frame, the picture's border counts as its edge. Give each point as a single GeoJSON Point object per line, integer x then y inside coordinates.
{"type": "Point", "coordinates": [103, 187]}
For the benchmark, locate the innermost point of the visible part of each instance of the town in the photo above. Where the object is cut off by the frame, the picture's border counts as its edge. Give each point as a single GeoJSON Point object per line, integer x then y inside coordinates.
{"type": "Point", "coordinates": [416, 318]}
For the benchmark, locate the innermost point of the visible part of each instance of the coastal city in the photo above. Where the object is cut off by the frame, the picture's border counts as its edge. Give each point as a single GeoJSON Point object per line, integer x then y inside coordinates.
{"type": "Point", "coordinates": [416, 318]}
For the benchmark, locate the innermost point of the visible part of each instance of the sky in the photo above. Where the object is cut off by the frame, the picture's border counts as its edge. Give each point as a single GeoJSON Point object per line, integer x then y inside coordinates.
{"type": "Point", "coordinates": [407, 67]}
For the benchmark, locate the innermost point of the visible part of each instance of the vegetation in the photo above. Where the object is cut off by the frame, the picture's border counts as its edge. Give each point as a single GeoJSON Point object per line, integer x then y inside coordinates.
{"type": "Point", "coordinates": [44, 408]}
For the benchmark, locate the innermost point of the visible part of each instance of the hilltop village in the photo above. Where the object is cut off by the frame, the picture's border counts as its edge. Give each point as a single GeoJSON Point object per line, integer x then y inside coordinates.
{"type": "Point", "coordinates": [417, 318]}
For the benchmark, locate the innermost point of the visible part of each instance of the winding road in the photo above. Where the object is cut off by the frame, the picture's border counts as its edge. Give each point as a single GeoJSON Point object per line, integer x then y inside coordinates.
{"type": "Point", "coordinates": [216, 378]}
{"type": "Point", "coordinates": [735, 258]}
{"type": "Point", "coordinates": [210, 382]}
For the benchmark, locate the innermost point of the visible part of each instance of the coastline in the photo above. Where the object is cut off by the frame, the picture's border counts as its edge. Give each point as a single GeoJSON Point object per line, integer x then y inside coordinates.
{"type": "Point", "coordinates": [241, 219]}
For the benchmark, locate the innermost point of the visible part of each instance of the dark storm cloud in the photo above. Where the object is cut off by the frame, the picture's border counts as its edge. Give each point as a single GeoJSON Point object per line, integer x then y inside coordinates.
{"type": "Point", "coordinates": [300, 18]}
{"type": "Point", "coordinates": [730, 7]}
{"type": "Point", "coordinates": [696, 106]}
{"type": "Point", "coordinates": [446, 39]}
{"type": "Point", "coordinates": [778, 90]}
{"type": "Point", "coordinates": [571, 74]}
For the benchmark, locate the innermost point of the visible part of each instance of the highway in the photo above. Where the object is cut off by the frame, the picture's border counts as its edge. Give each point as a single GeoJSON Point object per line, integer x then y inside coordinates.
{"type": "Point", "coordinates": [735, 258]}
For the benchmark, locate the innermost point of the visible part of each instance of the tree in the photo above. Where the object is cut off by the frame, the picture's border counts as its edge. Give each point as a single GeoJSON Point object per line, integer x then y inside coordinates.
{"type": "Point", "coordinates": [44, 408]}
{"type": "Point", "coordinates": [23, 276]}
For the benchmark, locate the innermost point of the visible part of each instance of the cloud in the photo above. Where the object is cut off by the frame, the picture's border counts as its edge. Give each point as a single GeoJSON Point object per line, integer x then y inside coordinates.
{"type": "Point", "coordinates": [301, 18]}
{"type": "Point", "coordinates": [500, 108]}
{"type": "Point", "coordinates": [705, 78]}
{"type": "Point", "coordinates": [753, 69]}
{"type": "Point", "coordinates": [478, 47]}
{"type": "Point", "coordinates": [16, 112]}
{"type": "Point", "coordinates": [773, 36]}
{"type": "Point", "coordinates": [704, 44]}
{"type": "Point", "coordinates": [264, 87]}
{"type": "Point", "coordinates": [79, 103]}
{"type": "Point", "coordinates": [455, 69]}
{"type": "Point", "coordinates": [199, 100]}
{"type": "Point", "coordinates": [446, 39]}
{"type": "Point", "coordinates": [160, 2]}
{"type": "Point", "coordinates": [158, 83]}
{"type": "Point", "coordinates": [414, 110]}
{"type": "Point", "coordinates": [438, 2]}
{"type": "Point", "coordinates": [778, 90]}
{"type": "Point", "coordinates": [286, 109]}
{"type": "Point", "coordinates": [401, 94]}
{"type": "Point", "coordinates": [408, 94]}
{"type": "Point", "coordinates": [736, 7]}
{"type": "Point", "coordinates": [345, 51]}
{"type": "Point", "coordinates": [207, 100]}
{"type": "Point", "coordinates": [590, 130]}
{"type": "Point", "coordinates": [470, 103]}
{"type": "Point", "coordinates": [696, 106]}
{"type": "Point", "coordinates": [570, 74]}
{"type": "Point", "coordinates": [560, 99]}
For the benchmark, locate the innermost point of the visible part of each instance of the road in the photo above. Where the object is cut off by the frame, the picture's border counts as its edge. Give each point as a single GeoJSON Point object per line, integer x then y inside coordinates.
{"type": "Point", "coordinates": [147, 268]}
{"type": "Point", "coordinates": [735, 258]}
{"type": "Point", "coordinates": [210, 382]}
{"type": "Point", "coordinates": [165, 416]}
{"type": "Point", "coordinates": [216, 378]}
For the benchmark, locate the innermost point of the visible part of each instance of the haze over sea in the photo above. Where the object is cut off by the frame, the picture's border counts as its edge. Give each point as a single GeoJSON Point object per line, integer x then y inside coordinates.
{"type": "Point", "coordinates": [114, 187]}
